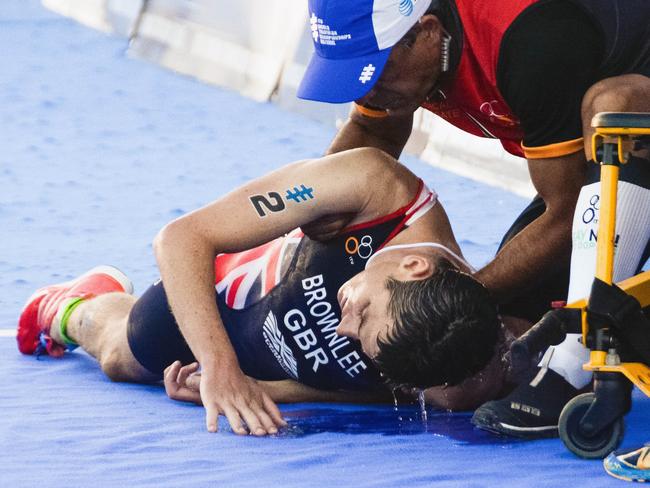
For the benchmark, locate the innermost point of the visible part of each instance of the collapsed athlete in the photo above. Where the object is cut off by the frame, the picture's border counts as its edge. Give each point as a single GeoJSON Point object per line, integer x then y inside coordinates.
{"type": "Point", "coordinates": [380, 284]}
{"type": "Point", "coordinates": [532, 74]}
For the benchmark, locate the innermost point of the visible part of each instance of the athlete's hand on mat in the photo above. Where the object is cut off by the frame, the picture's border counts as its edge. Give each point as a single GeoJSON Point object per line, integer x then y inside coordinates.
{"type": "Point", "coordinates": [183, 383]}
{"type": "Point", "coordinates": [241, 400]}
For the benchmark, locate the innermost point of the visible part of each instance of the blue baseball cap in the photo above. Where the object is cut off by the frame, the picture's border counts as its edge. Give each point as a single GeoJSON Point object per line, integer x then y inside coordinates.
{"type": "Point", "coordinates": [352, 42]}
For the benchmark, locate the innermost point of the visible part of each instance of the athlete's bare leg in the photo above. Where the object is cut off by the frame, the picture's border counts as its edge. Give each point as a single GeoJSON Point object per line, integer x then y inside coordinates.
{"type": "Point", "coordinates": [99, 327]}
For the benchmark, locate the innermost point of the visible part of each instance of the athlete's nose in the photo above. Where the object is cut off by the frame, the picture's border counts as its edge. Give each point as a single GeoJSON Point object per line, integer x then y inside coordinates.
{"type": "Point", "coordinates": [348, 327]}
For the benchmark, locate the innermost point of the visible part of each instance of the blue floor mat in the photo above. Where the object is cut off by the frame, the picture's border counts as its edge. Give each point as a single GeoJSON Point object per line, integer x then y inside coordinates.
{"type": "Point", "coordinates": [98, 152]}
{"type": "Point", "coordinates": [65, 425]}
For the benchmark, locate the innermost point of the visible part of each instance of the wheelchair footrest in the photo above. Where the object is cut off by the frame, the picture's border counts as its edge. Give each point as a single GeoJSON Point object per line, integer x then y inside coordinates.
{"type": "Point", "coordinates": [609, 306]}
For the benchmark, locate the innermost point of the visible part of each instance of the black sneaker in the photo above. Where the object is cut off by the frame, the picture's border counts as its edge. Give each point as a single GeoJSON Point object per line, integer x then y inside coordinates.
{"type": "Point", "coordinates": [531, 410]}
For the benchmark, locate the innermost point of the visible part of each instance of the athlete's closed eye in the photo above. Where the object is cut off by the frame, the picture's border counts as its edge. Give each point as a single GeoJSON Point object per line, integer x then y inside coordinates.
{"type": "Point", "coordinates": [364, 331]}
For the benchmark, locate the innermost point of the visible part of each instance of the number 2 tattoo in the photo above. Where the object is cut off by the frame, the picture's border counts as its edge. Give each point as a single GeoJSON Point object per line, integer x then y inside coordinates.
{"type": "Point", "coordinates": [273, 202]}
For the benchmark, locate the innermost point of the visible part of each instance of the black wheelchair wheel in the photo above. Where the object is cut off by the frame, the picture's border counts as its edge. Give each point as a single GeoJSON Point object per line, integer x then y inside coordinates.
{"type": "Point", "coordinates": [594, 447]}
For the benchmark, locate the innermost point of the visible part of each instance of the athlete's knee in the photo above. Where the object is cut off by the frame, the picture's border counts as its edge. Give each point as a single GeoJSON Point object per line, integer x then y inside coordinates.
{"type": "Point", "coordinates": [625, 93]}
{"type": "Point", "coordinates": [113, 366]}
{"type": "Point", "coordinates": [118, 363]}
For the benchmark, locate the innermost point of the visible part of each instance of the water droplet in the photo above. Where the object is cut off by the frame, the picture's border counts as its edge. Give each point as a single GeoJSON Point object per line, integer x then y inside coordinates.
{"type": "Point", "coordinates": [423, 406]}
{"type": "Point", "coordinates": [394, 399]}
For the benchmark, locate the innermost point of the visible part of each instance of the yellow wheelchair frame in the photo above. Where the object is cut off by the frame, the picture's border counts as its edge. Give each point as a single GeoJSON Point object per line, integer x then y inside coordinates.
{"type": "Point", "coordinates": [591, 425]}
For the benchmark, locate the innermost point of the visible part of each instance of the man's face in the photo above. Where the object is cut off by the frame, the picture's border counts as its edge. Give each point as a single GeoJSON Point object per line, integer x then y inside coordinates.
{"type": "Point", "coordinates": [364, 308]}
{"type": "Point", "coordinates": [364, 299]}
{"type": "Point", "coordinates": [410, 73]}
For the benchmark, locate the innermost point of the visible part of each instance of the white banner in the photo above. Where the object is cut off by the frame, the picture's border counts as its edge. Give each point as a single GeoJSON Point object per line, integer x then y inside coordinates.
{"type": "Point", "coordinates": [240, 45]}
{"type": "Point", "coordinates": [112, 16]}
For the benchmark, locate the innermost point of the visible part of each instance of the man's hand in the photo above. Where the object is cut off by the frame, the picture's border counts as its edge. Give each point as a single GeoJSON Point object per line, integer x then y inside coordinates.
{"type": "Point", "coordinates": [249, 403]}
{"type": "Point", "coordinates": [182, 383]}
{"type": "Point", "coordinates": [241, 400]}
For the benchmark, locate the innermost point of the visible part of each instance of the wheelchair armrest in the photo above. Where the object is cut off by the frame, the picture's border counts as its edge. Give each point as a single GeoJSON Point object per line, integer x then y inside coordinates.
{"type": "Point", "coordinates": [632, 120]}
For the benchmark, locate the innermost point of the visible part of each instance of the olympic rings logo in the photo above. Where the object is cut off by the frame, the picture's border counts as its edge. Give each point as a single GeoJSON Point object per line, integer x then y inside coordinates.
{"type": "Point", "coordinates": [362, 248]}
{"type": "Point", "coordinates": [589, 215]}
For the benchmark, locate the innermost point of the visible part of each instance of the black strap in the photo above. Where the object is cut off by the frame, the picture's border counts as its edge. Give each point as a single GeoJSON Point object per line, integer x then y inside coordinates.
{"type": "Point", "coordinates": [611, 306]}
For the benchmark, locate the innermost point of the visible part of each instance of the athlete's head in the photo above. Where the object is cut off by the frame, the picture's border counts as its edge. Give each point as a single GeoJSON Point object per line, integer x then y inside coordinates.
{"type": "Point", "coordinates": [446, 328]}
{"type": "Point", "coordinates": [423, 321]}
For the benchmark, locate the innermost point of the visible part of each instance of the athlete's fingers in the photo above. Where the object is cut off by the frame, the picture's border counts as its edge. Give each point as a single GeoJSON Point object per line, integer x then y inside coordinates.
{"type": "Point", "coordinates": [267, 423]}
{"type": "Point", "coordinates": [194, 381]}
{"type": "Point", "coordinates": [211, 416]}
{"type": "Point", "coordinates": [234, 420]}
{"type": "Point", "coordinates": [169, 378]}
{"type": "Point", "coordinates": [172, 369]}
{"type": "Point", "coordinates": [252, 420]}
{"type": "Point", "coordinates": [273, 410]}
{"type": "Point", "coordinates": [185, 395]}
{"type": "Point", "coordinates": [176, 390]}
{"type": "Point", "coordinates": [185, 371]}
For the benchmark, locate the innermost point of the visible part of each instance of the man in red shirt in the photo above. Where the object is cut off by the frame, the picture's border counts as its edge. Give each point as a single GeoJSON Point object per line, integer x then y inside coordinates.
{"type": "Point", "coordinates": [531, 74]}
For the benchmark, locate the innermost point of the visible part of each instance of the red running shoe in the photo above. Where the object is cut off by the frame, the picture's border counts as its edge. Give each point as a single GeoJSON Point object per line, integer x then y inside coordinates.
{"type": "Point", "coordinates": [49, 305]}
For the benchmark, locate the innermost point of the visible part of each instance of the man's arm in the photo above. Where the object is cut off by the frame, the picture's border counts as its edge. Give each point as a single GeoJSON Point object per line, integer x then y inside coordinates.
{"type": "Point", "coordinates": [537, 248]}
{"type": "Point", "coordinates": [182, 383]}
{"type": "Point", "coordinates": [388, 133]}
{"type": "Point", "coordinates": [253, 214]}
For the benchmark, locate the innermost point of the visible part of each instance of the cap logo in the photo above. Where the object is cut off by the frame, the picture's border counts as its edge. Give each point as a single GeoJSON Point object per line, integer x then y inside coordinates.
{"type": "Point", "coordinates": [313, 22]}
{"type": "Point", "coordinates": [322, 33]}
{"type": "Point", "coordinates": [366, 73]}
{"type": "Point", "coordinates": [406, 7]}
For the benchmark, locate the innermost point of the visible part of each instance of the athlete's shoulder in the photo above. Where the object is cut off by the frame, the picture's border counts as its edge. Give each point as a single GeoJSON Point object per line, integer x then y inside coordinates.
{"type": "Point", "coordinates": [384, 183]}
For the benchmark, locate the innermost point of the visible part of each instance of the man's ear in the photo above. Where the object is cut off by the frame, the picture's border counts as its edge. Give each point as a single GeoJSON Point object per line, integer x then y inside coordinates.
{"type": "Point", "coordinates": [430, 25]}
{"type": "Point", "coordinates": [415, 267]}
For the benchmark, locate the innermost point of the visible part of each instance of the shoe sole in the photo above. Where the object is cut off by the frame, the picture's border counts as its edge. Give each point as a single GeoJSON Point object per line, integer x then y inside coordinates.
{"type": "Point", "coordinates": [501, 428]}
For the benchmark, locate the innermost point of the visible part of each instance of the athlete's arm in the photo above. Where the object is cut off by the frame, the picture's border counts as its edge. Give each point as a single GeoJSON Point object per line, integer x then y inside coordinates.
{"type": "Point", "coordinates": [182, 383]}
{"type": "Point", "coordinates": [290, 391]}
{"type": "Point", "coordinates": [547, 240]}
{"type": "Point", "coordinates": [388, 133]}
{"type": "Point", "coordinates": [365, 182]}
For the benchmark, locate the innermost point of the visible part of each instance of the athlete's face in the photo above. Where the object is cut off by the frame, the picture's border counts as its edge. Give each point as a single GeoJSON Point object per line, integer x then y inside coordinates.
{"type": "Point", "coordinates": [410, 73]}
{"type": "Point", "coordinates": [364, 310]}
{"type": "Point", "coordinates": [364, 299]}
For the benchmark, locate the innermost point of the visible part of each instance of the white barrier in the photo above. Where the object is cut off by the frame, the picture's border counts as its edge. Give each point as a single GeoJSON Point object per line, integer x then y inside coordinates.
{"type": "Point", "coordinates": [239, 45]}
{"type": "Point", "coordinates": [112, 16]}
{"type": "Point", "coordinates": [261, 49]}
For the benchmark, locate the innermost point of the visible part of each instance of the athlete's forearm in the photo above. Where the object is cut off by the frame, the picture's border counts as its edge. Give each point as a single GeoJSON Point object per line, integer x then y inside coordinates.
{"type": "Point", "coordinates": [187, 270]}
{"type": "Point", "coordinates": [289, 391]}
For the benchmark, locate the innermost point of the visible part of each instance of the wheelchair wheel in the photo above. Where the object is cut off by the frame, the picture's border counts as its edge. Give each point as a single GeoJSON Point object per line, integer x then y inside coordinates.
{"type": "Point", "coordinates": [594, 447]}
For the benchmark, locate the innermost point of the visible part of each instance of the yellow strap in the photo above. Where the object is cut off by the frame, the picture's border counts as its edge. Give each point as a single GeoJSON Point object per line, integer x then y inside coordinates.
{"type": "Point", "coordinates": [370, 112]}
{"type": "Point", "coordinates": [554, 150]}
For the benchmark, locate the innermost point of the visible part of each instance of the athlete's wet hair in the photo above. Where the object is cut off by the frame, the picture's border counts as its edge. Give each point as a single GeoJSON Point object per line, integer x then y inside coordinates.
{"type": "Point", "coordinates": [446, 329]}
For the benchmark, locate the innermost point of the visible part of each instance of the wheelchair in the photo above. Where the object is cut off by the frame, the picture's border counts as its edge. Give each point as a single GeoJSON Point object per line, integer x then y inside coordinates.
{"type": "Point", "coordinates": [611, 320]}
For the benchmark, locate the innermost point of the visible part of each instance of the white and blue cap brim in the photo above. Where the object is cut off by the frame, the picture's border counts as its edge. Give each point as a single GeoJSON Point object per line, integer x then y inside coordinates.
{"type": "Point", "coordinates": [361, 34]}
{"type": "Point", "coordinates": [341, 80]}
